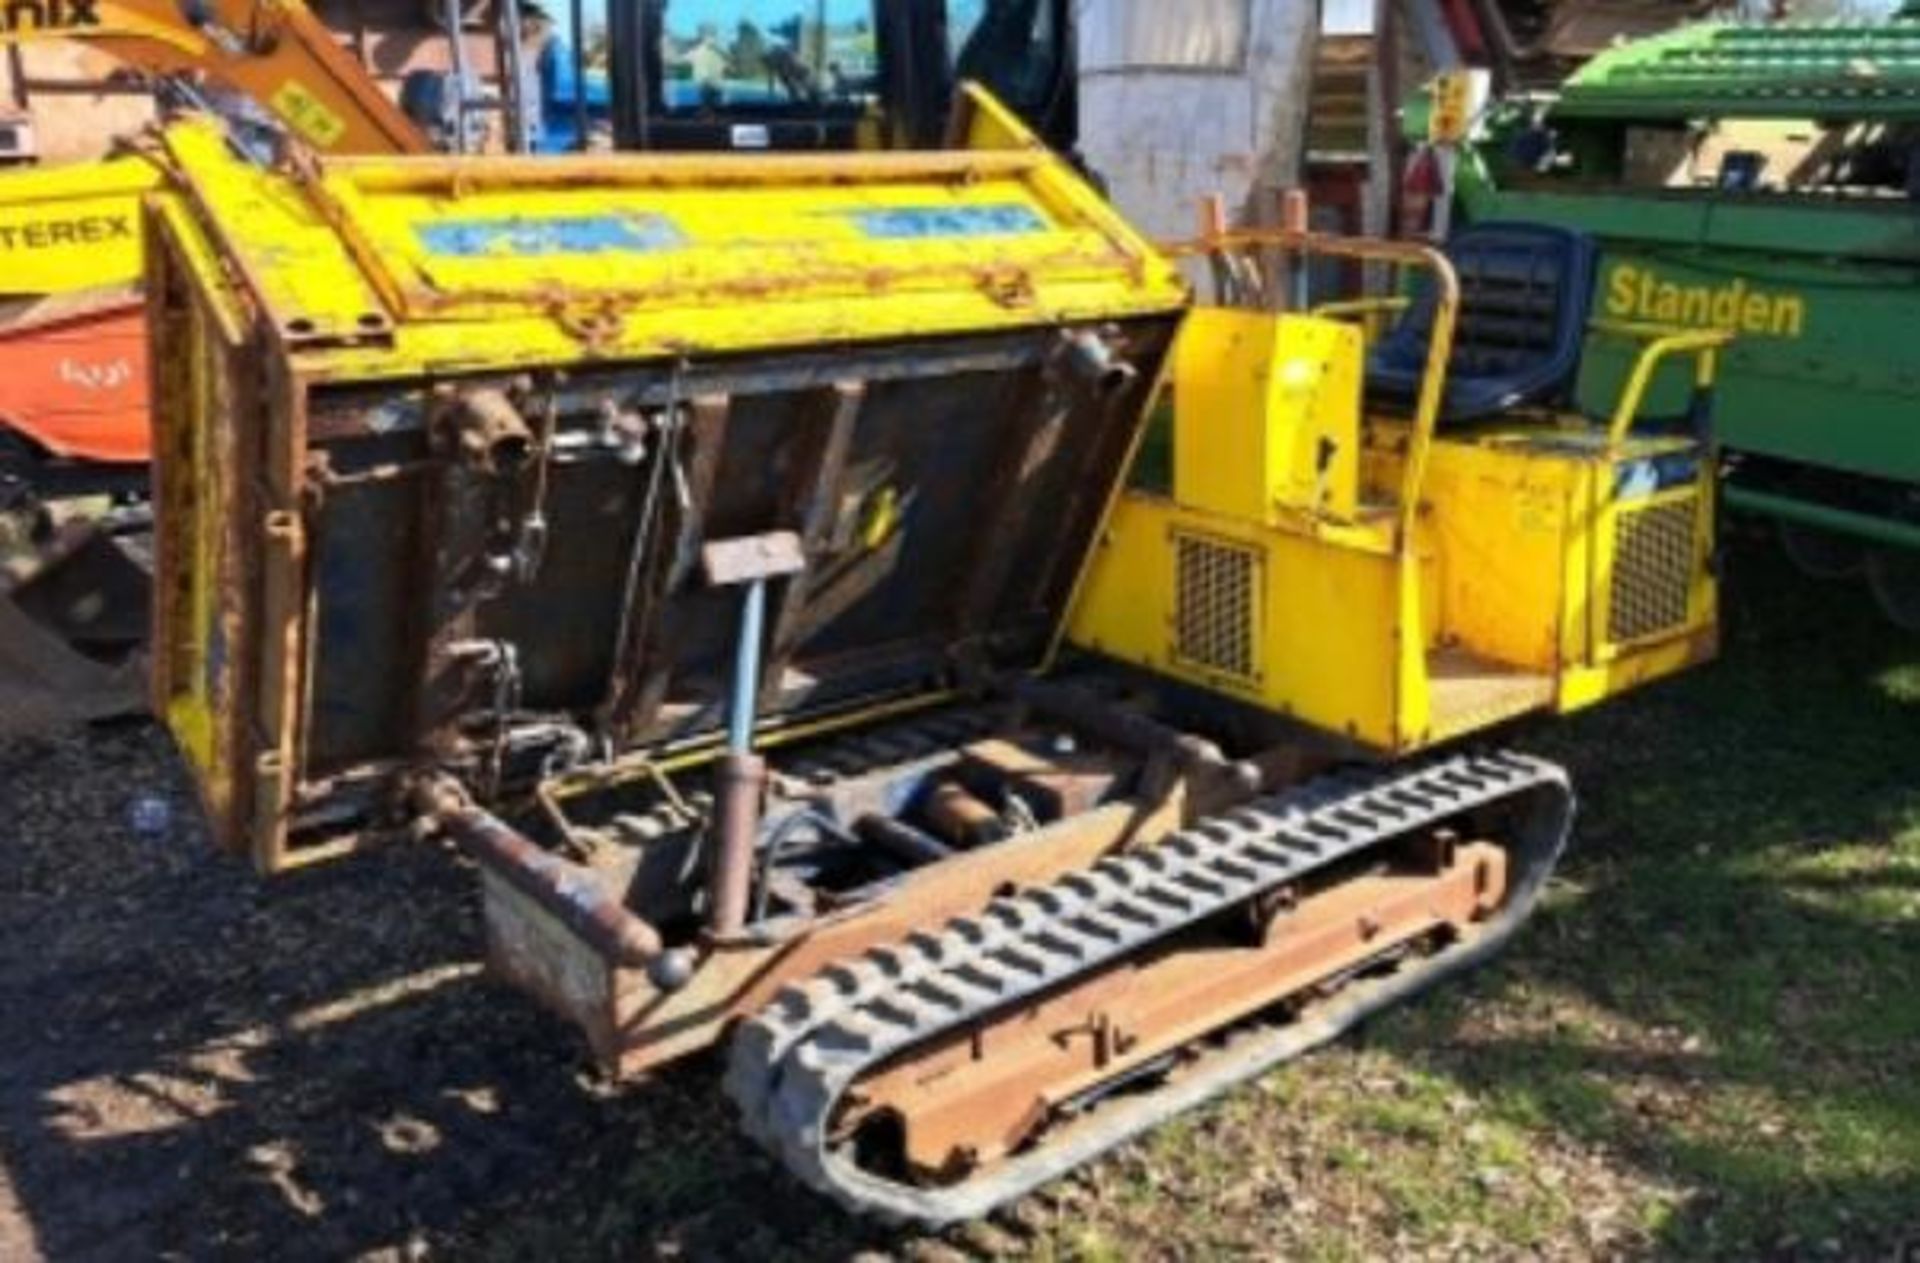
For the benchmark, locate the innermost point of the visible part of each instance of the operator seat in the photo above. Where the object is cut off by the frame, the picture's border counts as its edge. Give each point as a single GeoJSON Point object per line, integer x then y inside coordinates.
{"type": "Point", "coordinates": [1525, 290]}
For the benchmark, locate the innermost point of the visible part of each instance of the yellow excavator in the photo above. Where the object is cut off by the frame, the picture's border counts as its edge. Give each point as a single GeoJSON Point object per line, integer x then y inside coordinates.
{"type": "Point", "coordinates": [68, 230]}
{"type": "Point", "coordinates": [871, 613]}
{"type": "Point", "coordinates": [74, 405]}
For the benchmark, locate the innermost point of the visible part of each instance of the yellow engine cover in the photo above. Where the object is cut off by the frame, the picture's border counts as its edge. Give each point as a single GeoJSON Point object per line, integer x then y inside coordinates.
{"type": "Point", "coordinates": [1544, 566]}
{"type": "Point", "coordinates": [1270, 414]}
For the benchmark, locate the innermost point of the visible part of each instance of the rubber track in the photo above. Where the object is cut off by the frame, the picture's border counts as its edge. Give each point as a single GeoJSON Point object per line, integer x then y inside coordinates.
{"type": "Point", "coordinates": [791, 1063]}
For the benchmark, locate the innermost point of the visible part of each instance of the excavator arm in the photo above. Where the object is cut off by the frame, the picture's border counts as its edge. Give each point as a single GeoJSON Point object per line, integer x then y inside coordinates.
{"type": "Point", "coordinates": [273, 51]}
{"type": "Point", "coordinates": [68, 238]}
{"type": "Point", "coordinates": [73, 350]}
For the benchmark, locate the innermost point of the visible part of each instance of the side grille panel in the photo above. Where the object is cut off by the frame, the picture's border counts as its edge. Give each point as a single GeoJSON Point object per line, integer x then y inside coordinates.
{"type": "Point", "coordinates": [1217, 606]}
{"type": "Point", "coordinates": [1653, 551]}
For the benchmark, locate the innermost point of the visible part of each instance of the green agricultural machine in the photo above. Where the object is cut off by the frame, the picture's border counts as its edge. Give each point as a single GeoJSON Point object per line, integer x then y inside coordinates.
{"type": "Point", "coordinates": [1763, 179]}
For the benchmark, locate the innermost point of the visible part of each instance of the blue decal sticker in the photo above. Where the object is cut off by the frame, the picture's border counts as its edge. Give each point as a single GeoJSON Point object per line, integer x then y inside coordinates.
{"type": "Point", "coordinates": [543, 235]}
{"type": "Point", "coordinates": [903, 222]}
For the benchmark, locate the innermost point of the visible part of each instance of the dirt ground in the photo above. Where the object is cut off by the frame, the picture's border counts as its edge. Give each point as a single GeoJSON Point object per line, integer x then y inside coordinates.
{"type": "Point", "coordinates": [1709, 1045]}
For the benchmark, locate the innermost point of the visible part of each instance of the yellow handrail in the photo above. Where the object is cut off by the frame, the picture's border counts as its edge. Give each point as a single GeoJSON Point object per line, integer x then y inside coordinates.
{"type": "Point", "coordinates": [1343, 308]}
{"type": "Point", "coordinates": [1662, 343]}
{"type": "Point", "coordinates": [1369, 313]}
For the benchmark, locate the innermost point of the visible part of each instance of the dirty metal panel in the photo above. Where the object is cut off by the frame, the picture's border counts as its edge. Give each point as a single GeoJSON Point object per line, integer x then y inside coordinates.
{"type": "Point", "coordinates": [530, 948]}
{"type": "Point", "coordinates": [359, 699]}
{"type": "Point", "coordinates": [619, 626]}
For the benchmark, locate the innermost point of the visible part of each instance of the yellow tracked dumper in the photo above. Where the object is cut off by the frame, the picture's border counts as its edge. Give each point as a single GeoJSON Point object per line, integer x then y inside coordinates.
{"type": "Point", "coordinates": [868, 612]}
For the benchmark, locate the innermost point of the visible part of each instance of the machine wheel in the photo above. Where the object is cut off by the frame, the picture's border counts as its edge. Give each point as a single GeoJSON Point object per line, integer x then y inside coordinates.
{"type": "Point", "coordinates": [1822, 554]}
{"type": "Point", "coordinates": [1894, 575]}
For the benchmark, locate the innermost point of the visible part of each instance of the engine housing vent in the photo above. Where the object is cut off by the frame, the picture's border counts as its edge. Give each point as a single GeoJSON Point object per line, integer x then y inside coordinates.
{"type": "Point", "coordinates": [1217, 601]}
{"type": "Point", "coordinates": [1652, 585]}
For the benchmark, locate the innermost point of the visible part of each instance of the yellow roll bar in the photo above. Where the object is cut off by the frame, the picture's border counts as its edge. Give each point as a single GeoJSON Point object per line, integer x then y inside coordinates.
{"type": "Point", "coordinates": [1662, 342]}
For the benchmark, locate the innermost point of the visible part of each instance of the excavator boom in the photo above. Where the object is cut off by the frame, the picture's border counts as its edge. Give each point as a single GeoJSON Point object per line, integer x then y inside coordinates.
{"type": "Point", "coordinates": [74, 406]}
{"type": "Point", "coordinates": [275, 52]}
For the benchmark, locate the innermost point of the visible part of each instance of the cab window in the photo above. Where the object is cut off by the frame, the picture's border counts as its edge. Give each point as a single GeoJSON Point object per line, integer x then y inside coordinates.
{"type": "Point", "coordinates": [1013, 47]}
{"type": "Point", "coordinates": [768, 54]}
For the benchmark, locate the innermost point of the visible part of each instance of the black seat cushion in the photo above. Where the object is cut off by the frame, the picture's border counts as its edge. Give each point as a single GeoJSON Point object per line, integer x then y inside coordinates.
{"type": "Point", "coordinates": [1524, 294]}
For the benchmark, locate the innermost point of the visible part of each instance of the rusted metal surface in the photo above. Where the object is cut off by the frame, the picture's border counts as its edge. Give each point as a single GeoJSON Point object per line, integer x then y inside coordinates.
{"type": "Point", "coordinates": [1131, 730]}
{"type": "Point", "coordinates": [977, 1096]}
{"type": "Point", "coordinates": [739, 980]}
{"type": "Point", "coordinates": [816, 482]}
{"type": "Point", "coordinates": [1053, 774]}
{"type": "Point", "coordinates": [689, 455]}
{"type": "Point", "coordinates": [875, 462]}
{"type": "Point", "coordinates": [635, 1024]}
{"type": "Point", "coordinates": [572, 894]}
{"type": "Point", "coordinates": [486, 430]}
{"type": "Point", "coordinates": [740, 780]}
{"type": "Point", "coordinates": [963, 819]}
{"type": "Point", "coordinates": [799, 1066]}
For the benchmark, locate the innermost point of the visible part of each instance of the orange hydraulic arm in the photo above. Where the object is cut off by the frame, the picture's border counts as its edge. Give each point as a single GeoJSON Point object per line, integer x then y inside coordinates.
{"type": "Point", "coordinates": [274, 51]}
{"type": "Point", "coordinates": [73, 374]}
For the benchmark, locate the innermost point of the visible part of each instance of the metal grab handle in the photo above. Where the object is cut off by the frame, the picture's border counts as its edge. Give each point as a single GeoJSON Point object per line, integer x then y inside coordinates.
{"type": "Point", "coordinates": [1368, 313]}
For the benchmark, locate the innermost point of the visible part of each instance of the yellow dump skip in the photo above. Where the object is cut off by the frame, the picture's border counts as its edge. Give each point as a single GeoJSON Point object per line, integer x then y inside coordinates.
{"type": "Point", "coordinates": [440, 442]}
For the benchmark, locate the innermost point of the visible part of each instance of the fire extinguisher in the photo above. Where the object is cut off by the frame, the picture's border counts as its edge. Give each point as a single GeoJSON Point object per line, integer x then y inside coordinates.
{"type": "Point", "coordinates": [1419, 190]}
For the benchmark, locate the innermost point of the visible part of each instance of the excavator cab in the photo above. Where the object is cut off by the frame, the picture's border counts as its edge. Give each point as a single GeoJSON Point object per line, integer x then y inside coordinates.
{"type": "Point", "coordinates": [716, 75]}
{"type": "Point", "coordinates": [1412, 537]}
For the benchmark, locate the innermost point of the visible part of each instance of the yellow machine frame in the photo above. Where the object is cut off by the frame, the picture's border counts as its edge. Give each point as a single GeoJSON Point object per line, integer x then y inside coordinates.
{"type": "Point", "coordinates": [1379, 576]}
